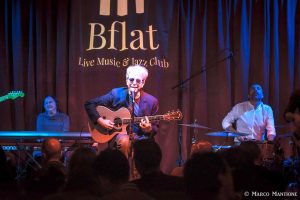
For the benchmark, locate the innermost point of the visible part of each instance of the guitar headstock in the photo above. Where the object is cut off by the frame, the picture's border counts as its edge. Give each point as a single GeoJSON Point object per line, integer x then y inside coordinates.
{"type": "Point", "coordinates": [173, 115]}
{"type": "Point", "coordinates": [15, 94]}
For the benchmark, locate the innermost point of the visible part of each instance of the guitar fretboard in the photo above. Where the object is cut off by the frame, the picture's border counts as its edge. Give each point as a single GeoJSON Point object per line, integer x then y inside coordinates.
{"type": "Point", "coordinates": [138, 119]}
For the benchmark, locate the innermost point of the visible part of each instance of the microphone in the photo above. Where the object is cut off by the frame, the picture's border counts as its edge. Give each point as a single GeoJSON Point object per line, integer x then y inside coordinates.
{"type": "Point", "coordinates": [132, 92]}
{"type": "Point", "coordinates": [132, 89]}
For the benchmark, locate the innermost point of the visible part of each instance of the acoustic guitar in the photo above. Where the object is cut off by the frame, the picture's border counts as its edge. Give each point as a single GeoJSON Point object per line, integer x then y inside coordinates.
{"type": "Point", "coordinates": [121, 119]}
{"type": "Point", "coordinates": [12, 95]}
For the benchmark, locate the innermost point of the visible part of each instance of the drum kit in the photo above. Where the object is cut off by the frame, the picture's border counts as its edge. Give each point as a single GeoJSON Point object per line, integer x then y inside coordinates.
{"type": "Point", "coordinates": [270, 151]}
{"type": "Point", "coordinates": [274, 155]}
{"type": "Point", "coordinates": [224, 134]}
{"type": "Point", "coordinates": [216, 134]}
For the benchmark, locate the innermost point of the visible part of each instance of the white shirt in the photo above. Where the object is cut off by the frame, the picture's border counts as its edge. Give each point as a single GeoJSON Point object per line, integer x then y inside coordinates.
{"type": "Point", "coordinates": [251, 120]}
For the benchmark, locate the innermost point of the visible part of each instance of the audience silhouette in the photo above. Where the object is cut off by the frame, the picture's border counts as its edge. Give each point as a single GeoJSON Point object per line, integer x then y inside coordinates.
{"type": "Point", "coordinates": [147, 156]}
{"type": "Point", "coordinates": [52, 176]}
{"type": "Point", "coordinates": [207, 176]}
{"type": "Point", "coordinates": [112, 167]}
{"type": "Point", "coordinates": [82, 182]}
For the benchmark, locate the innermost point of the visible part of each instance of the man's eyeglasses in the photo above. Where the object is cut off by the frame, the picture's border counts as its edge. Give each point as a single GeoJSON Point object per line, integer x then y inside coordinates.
{"type": "Point", "coordinates": [136, 80]}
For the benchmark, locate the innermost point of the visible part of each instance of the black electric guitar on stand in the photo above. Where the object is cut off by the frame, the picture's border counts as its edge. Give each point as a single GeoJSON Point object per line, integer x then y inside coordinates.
{"type": "Point", "coordinates": [121, 119]}
{"type": "Point", "coordinates": [12, 95]}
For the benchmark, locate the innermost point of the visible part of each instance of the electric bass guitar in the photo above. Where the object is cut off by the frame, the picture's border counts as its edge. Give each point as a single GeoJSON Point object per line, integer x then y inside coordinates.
{"type": "Point", "coordinates": [121, 119]}
{"type": "Point", "coordinates": [12, 95]}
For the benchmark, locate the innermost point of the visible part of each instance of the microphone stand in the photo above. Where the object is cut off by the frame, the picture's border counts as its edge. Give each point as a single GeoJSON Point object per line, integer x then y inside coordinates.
{"type": "Point", "coordinates": [203, 69]}
{"type": "Point", "coordinates": [132, 115]}
{"type": "Point", "coordinates": [131, 136]}
{"type": "Point", "coordinates": [180, 85]}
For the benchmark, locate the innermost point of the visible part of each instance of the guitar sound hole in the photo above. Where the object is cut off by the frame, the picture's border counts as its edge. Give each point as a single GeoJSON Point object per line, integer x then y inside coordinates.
{"type": "Point", "coordinates": [118, 123]}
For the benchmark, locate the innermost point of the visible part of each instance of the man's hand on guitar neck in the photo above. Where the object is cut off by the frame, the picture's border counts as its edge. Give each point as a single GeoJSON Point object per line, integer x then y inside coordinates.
{"type": "Point", "coordinates": [146, 125]}
{"type": "Point", "coordinates": [105, 123]}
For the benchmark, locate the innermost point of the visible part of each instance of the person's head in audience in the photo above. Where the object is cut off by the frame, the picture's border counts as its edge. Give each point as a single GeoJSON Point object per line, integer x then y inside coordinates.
{"type": "Point", "coordinates": [235, 157]}
{"type": "Point", "coordinates": [52, 175]}
{"type": "Point", "coordinates": [147, 156]}
{"type": "Point", "coordinates": [252, 151]}
{"type": "Point", "coordinates": [198, 147]}
{"type": "Point", "coordinates": [201, 146]}
{"type": "Point", "coordinates": [81, 159]}
{"type": "Point", "coordinates": [81, 174]}
{"type": "Point", "coordinates": [112, 167]}
{"type": "Point", "coordinates": [207, 176]}
{"type": "Point", "coordinates": [51, 149]}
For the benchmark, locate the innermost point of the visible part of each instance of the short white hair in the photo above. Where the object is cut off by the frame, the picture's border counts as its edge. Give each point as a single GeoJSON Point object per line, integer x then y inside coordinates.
{"type": "Point", "coordinates": [137, 69]}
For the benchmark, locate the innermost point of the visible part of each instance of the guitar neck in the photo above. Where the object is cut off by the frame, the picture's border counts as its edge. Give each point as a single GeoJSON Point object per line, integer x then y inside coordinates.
{"type": "Point", "coordinates": [3, 98]}
{"type": "Point", "coordinates": [12, 95]}
{"type": "Point", "coordinates": [138, 119]}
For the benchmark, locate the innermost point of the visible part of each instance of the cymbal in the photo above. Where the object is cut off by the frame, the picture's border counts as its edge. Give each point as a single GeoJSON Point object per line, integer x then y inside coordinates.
{"type": "Point", "coordinates": [226, 134]}
{"type": "Point", "coordinates": [195, 126]}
